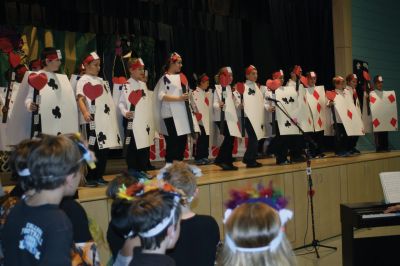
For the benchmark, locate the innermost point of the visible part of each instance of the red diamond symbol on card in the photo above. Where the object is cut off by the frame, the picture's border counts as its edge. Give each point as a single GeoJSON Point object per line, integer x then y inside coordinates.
{"type": "Point", "coordinates": [372, 99]}
{"type": "Point", "coordinates": [391, 98]}
{"type": "Point", "coordinates": [349, 114]}
{"type": "Point", "coordinates": [309, 121]}
{"type": "Point", "coordinates": [393, 121]}
{"type": "Point", "coordinates": [304, 99]}
{"type": "Point", "coordinates": [320, 122]}
{"type": "Point", "coordinates": [206, 101]}
{"type": "Point", "coordinates": [316, 95]}
{"type": "Point", "coordinates": [376, 122]}
{"type": "Point", "coordinates": [319, 108]}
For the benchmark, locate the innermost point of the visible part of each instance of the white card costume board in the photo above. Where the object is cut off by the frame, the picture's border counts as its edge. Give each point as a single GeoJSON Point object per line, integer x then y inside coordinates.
{"type": "Point", "coordinates": [348, 114]}
{"type": "Point", "coordinates": [116, 94]}
{"type": "Point", "coordinates": [74, 80]}
{"type": "Point", "coordinates": [268, 115]}
{"type": "Point", "coordinates": [150, 99]}
{"type": "Point", "coordinates": [58, 109]}
{"type": "Point", "coordinates": [289, 101]}
{"type": "Point", "coordinates": [304, 112]}
{"type": "Point", "coordinates": [317, 103]}
{"type": "Point", "coordinates": [141, 124]}
{"type": "Point", "coordinates": [171, 84]}
{"type": "Point", "coordinates": [254, 108]}
{"type": "Point", "coordinates": [384, 110]}
{"type": "Point", "coordinates": [202, 101]}
{"type": "Point", "coordinates": [366, 118]}
{"type": "Point", "coordinates": [231, 117]}
{"type": "Point", "coordinates": [105, 119]}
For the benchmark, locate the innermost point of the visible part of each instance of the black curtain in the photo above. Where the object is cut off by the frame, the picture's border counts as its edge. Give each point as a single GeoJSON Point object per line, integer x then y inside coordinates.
{"type": "Point", "coordinates": [209, 34]}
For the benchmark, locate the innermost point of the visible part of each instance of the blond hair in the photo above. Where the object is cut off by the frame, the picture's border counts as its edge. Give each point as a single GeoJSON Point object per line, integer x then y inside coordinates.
{"type": "Point", "coordinates": [254, 225]}
{"type": "Point", "coordinates": [180, 175]}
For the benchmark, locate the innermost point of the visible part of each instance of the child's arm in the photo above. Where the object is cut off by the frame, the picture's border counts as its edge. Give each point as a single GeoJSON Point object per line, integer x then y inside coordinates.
{"type": "Point", "coordinates": [82, 107]}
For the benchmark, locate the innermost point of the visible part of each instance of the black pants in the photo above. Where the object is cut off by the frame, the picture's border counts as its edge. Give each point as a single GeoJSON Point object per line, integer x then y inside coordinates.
{"type": "Point", "coordinates": [137, 159]}
{"type": "Point", "coordinates": [296, 145]}
{"type": "Point", "coordinates": [250, 155]}
{"type": "Point", "coordinates": [202, 145]}
{"type": "Point", "coordinates": [341, 139]}
{"type": "Point", "coordinates": [315, 147]}
{"type": "Point", "coordinates": [225, 151]}
{"type": "Point", "coordinates": [381, 141]}
{"type": "Point", "coordinates": [175, 144]}
{"type": "Point", "coordinates": [280, 146]}
{"type": "Point", "coordinates": [352, 142]}
{"type": "Point", "coordinates": [101, 161]}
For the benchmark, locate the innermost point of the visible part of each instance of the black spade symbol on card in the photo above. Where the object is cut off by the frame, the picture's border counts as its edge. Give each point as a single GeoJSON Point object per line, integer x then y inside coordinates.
{"type": "Point", "coordinates": [56, 112]}
{"type": "Point", "coordinates": [52, 84]}
{"type": "Point", "coordinates": [285, 100]}
{"type": "Point", "coordinates": [287, 124]}
{"type": "Point", "coordinates": [106, 109]}
{"type": "Point", "coordinates": [143, 94]}
{"type": "Point", "coordinates": [102, 137]}
{"type": "Point", "coordinates": [166, 81]}
{"type": "Point", "coordinates": [291, 100]}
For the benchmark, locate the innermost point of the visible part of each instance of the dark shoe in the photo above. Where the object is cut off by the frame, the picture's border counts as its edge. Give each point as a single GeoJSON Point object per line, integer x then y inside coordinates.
{"type": "Point", "coordinates": [299, 159]}
{"type": "Point", "coordinates": [355, 151]}
{"type": "Point", "coordinates": [254, 165]}
{"type": "Point", "coordinates": [343, 154]}
{"type": "Point", "coordinates": [91, 183]}
{"type": "Point", "coordinates": [283, 162]}
{"type": "Point", "coordinates": [200, 162]}
{"type": "Point", "coordinates": [101, 182]}
{"type": "Point", "coordinates": [227, 167]}
{"type": "Point", "coordinates": [207, 161]}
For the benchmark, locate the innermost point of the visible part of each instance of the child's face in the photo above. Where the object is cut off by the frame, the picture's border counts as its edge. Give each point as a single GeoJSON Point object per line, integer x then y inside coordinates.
{"type": "Point", "coordinates": [138, 73]}
{"type": "Point", "coordinates": [312, 81]}
{"type": "Point", "coordinates": [353, 83]}
{"type": "Point", "coordinates": [379, 85]}
{"type": "Point", "coordinates": [53, 65]}
{"type": "Point", "coordinates": [204, 84]}
{"type": "Point", "coordinates": [339, 85]}
{"type": "Point", "coordinates": [93, 68]}
{"type": "Point", "coordinates": [252, 76]}
{"type": "Point", "coordinates": [176, 66]}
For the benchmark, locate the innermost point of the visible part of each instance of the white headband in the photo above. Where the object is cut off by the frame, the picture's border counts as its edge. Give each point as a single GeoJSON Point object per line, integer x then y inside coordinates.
{"type": "Point", "coordinates": [24, 172]}
{"type": "Point", "coordinates": [164, 223]}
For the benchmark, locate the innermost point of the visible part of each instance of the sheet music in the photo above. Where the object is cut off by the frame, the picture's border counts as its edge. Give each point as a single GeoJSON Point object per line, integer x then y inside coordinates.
{"type": "Point", "coordinates": [391, 186]}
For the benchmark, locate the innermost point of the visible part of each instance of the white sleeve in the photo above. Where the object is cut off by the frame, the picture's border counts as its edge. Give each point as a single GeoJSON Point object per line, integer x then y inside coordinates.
{"type": "Point", "coordinates": [267, 104]}
{"type": "Point", "coordinates": [216, 100]}
{"type": "Point", "coordinates": [29, 99]}
{"type": "Point", "coordinates": [122, 105]}
{"type": "Point", "coordinates": [79, 87]}
{"type": "Point", "coordinates": [161, 92]}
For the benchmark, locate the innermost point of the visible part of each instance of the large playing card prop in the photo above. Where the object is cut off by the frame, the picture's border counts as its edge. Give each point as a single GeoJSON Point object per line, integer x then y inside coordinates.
{"type": "Point", "coordinates": [254, 108]}
{"type": "Point", "coordinates": [119, 84]}
{"type": "Point", "coordinates": [231, 117]}
{"type": "Point", "coordinates": [317, 103]}
{"type": "Point", "coordinates": [58, 109]}
{"type": "Point", "coordinates": [202, 101]}
{"type": "Point", "coordinates": [304, 113]}
{"type": "Point", "coordinates": [137, 94]}
{"type": "Point", "coordinates": [384, 110]}
{"type": "Point", "coordinates": [101, 106]}
{"type": "Point", "coordinates": [348, 114]}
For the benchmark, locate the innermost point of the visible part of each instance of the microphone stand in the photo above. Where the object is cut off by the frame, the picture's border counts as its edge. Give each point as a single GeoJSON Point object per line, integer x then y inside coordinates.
{"type": "Point", "coordinates": [315, 243]}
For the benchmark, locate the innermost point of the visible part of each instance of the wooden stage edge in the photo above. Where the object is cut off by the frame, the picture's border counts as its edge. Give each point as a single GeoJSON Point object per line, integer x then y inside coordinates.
{"type": "Point", "coordinates": [213, 174]}
{"type": "Point", "coordinates": [336, 180]}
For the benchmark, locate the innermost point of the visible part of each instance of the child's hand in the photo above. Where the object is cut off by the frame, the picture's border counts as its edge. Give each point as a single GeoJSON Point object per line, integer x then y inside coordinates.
{"type": "Point", "coordinates": [241, 106]}
{"type": "Point", "coordinates": [33, 107]}
{"type": "Point", "coordinates": [130, 115]}
{"type": "Point", "coordinates": [184, 97]}
{"type": "Point", "coordinates": [394, 208]}
{"type": "Point", "coordinates": [221, 104]}
{"type": "Point", "coordinates": [331, 103]}
{"type": "Point", "coordinates": [87, 116]}
{"type": "Point", "coordinates": [271, 109]}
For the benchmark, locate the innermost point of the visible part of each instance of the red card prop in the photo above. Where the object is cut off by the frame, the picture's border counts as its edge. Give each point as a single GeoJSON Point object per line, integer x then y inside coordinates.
{"type": "Point", "coordinates": [92, 91]}
{"type": "Point", "coordinates": [330, 95]}
{"type": "Point", "coordinates": [304, 81]}
{"type": "Point", "coordinates": [14, 59]}
{"type": "Point", "coordinates": [184, 80]}
{"type": "Point", "coordinates": [273, 85]}
{"type": "Point", "coordinates": [135, 96]}
{"type": "Point", "coordinates": [366, 75]}
{"type": "Point", "coordinates": [240, 87]}
{"type": "Point", "coordinates": [37, 81]}
{"type": "Point", "coordinates": [119, 80]}
{"type": "Point", "coordinates": [224, 80]}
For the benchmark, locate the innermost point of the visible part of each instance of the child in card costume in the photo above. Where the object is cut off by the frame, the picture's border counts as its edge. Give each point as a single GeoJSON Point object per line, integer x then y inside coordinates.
{"type": "Point", "coordinates": [49, 100]}
{"type": "Point", "coordinates": [225, 116]}
{"type": "Point", "coordinates": [351, 81]}
{"type": "Point", "coordinates": [384, 114]}
{"type": "Point", "coordinates": [135, 106]}
{"type": "Point", "coordinates": [249, 94]}
{"type": "Point", "coordinates": [98, 117]}
{"type": "Point", "coordinates": [173, 115]}
{"type": "Point", "coordinates": [346, 119]}
{"type": "Point", "coordinates": [316, 102]}
{"type": "Point", "coordinates": [279, 143]}
{"type": "Point", "coordinates": [201, 100]}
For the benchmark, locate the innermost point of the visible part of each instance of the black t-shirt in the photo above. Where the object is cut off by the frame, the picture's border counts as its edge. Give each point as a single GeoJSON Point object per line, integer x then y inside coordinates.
{"type": "Point", "coordinates": [37, 236]}
{"type": "Point", "coordinates": [197, 243]}
{"type": "Point", "coordinates": [115, 240]}
{"type": "Point", "coordinates": [144, 259]}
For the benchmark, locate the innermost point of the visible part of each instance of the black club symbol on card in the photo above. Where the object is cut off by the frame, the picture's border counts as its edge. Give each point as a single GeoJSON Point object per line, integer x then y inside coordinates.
{"type": "Point", "coordinates": [291, 100]}
{"type": "Point", "coordinates": [287, 124]}
{"type": "Point", "coordinates": [148, 130]}
{"type": "Point", "coordinates": [251, 91]}
{"type": "Point", "coordinates": [102, 137]}
{"type": "Point", "coordinates": [285, 100]}
{"type": "Point", "coordinates": [106, 109]}
{"type": "Point", "coordinates": [56, 112]}
{"type": "Point", "coordinates": [52, 84]}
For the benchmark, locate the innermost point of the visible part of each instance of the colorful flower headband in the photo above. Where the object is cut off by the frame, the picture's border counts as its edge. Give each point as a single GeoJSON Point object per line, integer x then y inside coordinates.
{"type": "Point", "coordinates": [267, 195]}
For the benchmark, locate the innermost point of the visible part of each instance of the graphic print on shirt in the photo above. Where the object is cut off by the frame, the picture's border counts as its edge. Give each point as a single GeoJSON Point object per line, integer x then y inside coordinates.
{"type": "Point", "coordinates": [32, 239]}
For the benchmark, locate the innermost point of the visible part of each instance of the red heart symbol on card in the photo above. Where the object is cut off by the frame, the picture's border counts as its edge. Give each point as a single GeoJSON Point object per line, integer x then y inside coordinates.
{"type": "Point", "coordinates": [366, 75]}
{"type": "Point", "coordinates": [14, 59]}
{"type": "Point", "coordinates": [135, 96]}
{"type": "Point", "coordinates": [184, 80]}
{"type": "Point", "coordinates": [37, 81]}
{"type": "Point", "coordinates": [330, 95]}
{"type": "Point", "coordinates": [273, 85]}
{"type": "Point", "coordinates": [92, 91]}
{"type": "Point", "coordinates": [240, 87]}
{"type": "Point", "coordinates": [119, 80]}
{"type": "Point", "coordinates": [198, 116]}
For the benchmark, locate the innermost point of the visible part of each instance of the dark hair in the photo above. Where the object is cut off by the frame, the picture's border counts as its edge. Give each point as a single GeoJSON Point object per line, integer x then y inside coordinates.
{"type": "Point", "coordinates": [18, 161]}
{"type": "Point", "coordinates": [200, 78]}
{"type": "Point", "coordinates": [169, 61]}
{"type": "Point", "coordinates": [45, 52]}
{"type": "Point", "coordinates": [151, 209]}
{"type": "Point", "coordinates": [122, 179]}
{"type": "Point", "coordinates": [376, 78]}
{"type": "Point", "coordinates": [52, 161]}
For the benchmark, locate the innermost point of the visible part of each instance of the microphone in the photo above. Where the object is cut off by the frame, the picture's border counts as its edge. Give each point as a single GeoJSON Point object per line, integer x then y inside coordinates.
{"type": "Point", "coordinates": [272, 99]}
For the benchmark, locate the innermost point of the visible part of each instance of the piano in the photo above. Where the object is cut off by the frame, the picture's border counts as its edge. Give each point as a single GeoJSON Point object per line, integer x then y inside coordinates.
{"type": "Point", "coordinates": [380, 250]}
